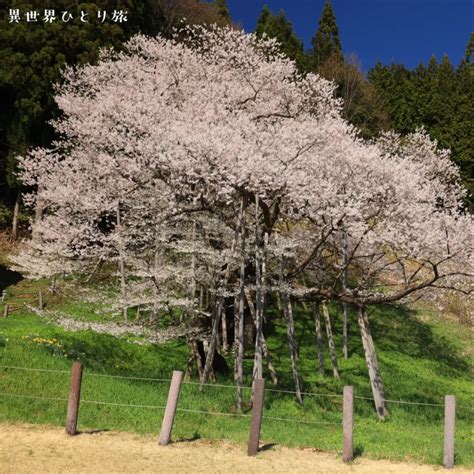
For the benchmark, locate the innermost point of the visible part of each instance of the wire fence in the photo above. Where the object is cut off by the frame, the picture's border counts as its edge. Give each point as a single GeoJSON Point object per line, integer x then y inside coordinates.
{"type": "Point", "coordinates": [245, 387]}
{"type": "Point", "coordinates": [357, 424]}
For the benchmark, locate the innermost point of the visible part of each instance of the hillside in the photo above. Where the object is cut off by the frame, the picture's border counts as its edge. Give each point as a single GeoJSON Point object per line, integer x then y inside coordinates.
{"type": "Point", "coordinates": [422, 358]}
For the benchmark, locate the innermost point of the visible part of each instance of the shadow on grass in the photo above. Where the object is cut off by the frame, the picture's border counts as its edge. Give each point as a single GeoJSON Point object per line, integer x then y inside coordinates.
{"type": "Point", "coordinates": [92, 432]}
{"type": "Point", "coordinates": [358, 451]}
{"type": "Point", "coordinates": [409, 350]}
{"type": "Point", "coordinates": [396, 329]}
{"type": "Point", "coordinates": [194, 437]}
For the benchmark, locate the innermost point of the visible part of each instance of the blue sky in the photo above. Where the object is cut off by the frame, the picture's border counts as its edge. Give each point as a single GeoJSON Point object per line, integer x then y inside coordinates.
{"type": "Point", "coordinates": [402, 31]}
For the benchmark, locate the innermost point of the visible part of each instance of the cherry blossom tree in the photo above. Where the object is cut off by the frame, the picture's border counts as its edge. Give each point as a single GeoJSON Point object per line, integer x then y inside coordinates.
{"type": "Point", "coordinates": [209, 170]}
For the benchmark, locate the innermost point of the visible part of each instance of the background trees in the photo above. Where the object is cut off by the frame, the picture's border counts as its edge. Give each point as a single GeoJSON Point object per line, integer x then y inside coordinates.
{"type": "Point", "coordinates": [33, 54]}
{"type": "Point", "coordinates": [437, 96]}
{"type": "Point", "coordinates": [326, 42]}
{"type": "Point", "coordinates": [278, 27]}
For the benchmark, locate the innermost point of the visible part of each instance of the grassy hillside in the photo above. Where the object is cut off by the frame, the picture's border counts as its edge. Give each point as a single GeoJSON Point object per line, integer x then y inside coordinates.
{"type": "Point", "coordinates": [422, 359]}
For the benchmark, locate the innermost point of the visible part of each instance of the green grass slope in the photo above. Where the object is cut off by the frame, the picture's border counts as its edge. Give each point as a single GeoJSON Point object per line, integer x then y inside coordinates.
{"type": "Point", "coordinates": [422, 359]}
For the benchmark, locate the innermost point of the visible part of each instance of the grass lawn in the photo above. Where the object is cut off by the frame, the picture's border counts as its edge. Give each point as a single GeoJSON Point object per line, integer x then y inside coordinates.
{"type": "Point", "coordinates": [422, 359]}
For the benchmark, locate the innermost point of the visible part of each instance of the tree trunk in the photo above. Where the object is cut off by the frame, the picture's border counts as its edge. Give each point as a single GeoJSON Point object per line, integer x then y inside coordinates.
{"type": "Point", "coordinates": [345, 333]}
{"type": "Point", "coordinates": [265, 351]}
{"type": "Point", "coordinates": [192, 287]}
{"type": "Point", "coordinates": [225, 344]}
{"type": "Point", "coordinates": [213, 341]}
{"type": "Point", "coordinates": [332, 347]}
{"type": "Point", "coordinates": [372, 364]}
{"type": "Point", "coordinates": [123, 285]}
{"type": "Point", "coordinates": [257, 368]}
{"type": "Point", "coordinates": [96, 268]}
{"type": "Point", "coordinates": [319, 337]}
{"type": "Point", "coordinates": [345, 285]}
{"type": "Point", "coordinates": [153, 317]}
{"type": "Point", "coordinates": [39, 206]}
{"type": "Point", "coordinates": [219, 307]}
{"type": "Point", "coordinates": [239, 361]}
{"type": "Point", "coordinates": [290, 327]}
{"type": "Point", "coordinates": [53, 287]}
{"type": "Point", "coordinates": [189, 365]}
{"type": "Point", "coordinates": [235, 343]}
{"type": "Point", "coordinates": [197, 358]}
{"type": "Point", "coordinates": [16, 211]}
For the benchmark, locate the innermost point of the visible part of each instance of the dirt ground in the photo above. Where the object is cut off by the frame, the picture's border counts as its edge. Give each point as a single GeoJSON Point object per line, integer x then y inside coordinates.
{"type": "Point", "coordinates": [40, 449]}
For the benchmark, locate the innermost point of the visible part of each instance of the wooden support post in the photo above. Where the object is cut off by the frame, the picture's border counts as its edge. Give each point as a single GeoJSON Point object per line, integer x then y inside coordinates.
{"type": "Point", "coordinates": [5, 311]}
{"type": "Point", "coordinates": [449, 423]}
{"type": "Point", "coordinates": [348, 424]}
{"type": "Point", "coordinates": [40, 300]}
{"type": "Point", "coordinates": [257, 410]}
{"type": "Point", "coordinates": [74, 398]}
{"type": "Point", "coordinates": [170, 411]}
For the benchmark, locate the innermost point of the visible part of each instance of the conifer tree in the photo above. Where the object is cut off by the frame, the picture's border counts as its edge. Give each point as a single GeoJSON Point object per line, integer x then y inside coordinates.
{"type": "Point", "coordinates": [280, 28]}
{"type": "Point", "coordinates": [326, 42]}
{"type": "Point", "coordinates": [222, 10]}
{"type": "Point", "coordinates": [469, 54]}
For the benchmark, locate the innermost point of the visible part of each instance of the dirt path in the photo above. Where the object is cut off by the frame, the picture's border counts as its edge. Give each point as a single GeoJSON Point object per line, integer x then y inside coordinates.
{"type": "Point", "coordinates": [40, 449]}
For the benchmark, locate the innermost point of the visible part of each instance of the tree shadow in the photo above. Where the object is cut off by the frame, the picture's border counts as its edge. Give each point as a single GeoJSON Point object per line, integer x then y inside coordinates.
{"type": "Point", "coordinates": [358, 451]}
{"type": "Point", "coordinates": [194, 437]}
{"type": "Point", "coordinates": [92, 432]}
{"type": "Point", "coordinates": [8, 278]}
{"type": "Point", "coordinates": [396, 329]}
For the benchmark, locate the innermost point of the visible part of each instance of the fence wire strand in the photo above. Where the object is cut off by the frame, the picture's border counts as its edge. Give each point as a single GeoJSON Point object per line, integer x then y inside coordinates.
{"type": "Point", "coordinates": [97, 402]}
{"type": "Point", "coordinates": [311, 394]}
{"type": "Point", "coordinates": [33, 369]}
{"type": "Point", "coordinates": [309, 422]}
{"type": "Point", "coordinates": [190, 410]}
{"type": "Point", "coordinates": [148, 379]}
{"type": "Point", "coordinates": [33, 397]}
{"type": "Point", "coordinates": [187, 382]}
{"type": "Point", "coordinates": [241, 415]}
{"type": "Point", "coordinates": [151, 379]}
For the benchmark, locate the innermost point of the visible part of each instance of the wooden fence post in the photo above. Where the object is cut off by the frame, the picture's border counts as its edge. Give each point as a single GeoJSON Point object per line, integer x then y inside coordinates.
{"type": "Point", "coordinates": [170, 411]}
{"type": "Point", "coordinates": [449, 423]}
{"type": "Point", "coordinates": [74, 398]}
{"type": "Point", "coordinates": [5, 311]}
{"type": "Point", "coordinates": [40, 300]}
{"type": "Point", "coordinates": [348, 424]}
{"type": "Point", "coordinates": [257, 410]}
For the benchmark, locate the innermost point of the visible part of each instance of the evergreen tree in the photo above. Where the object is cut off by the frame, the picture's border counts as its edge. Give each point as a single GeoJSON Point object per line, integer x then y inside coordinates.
{"type": "Point", "coordinates": [33, 54]}
{"type": "Point", "coordinates": [469, 54]}
{"type": "Point", "coordinates": [222, 10]}
{"type": "Point", "coordinates": [326, 42]}
{"type": "Point", "coordinates": [438, 97]}
{"type": "Point", "coordinates": [278, 27]}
